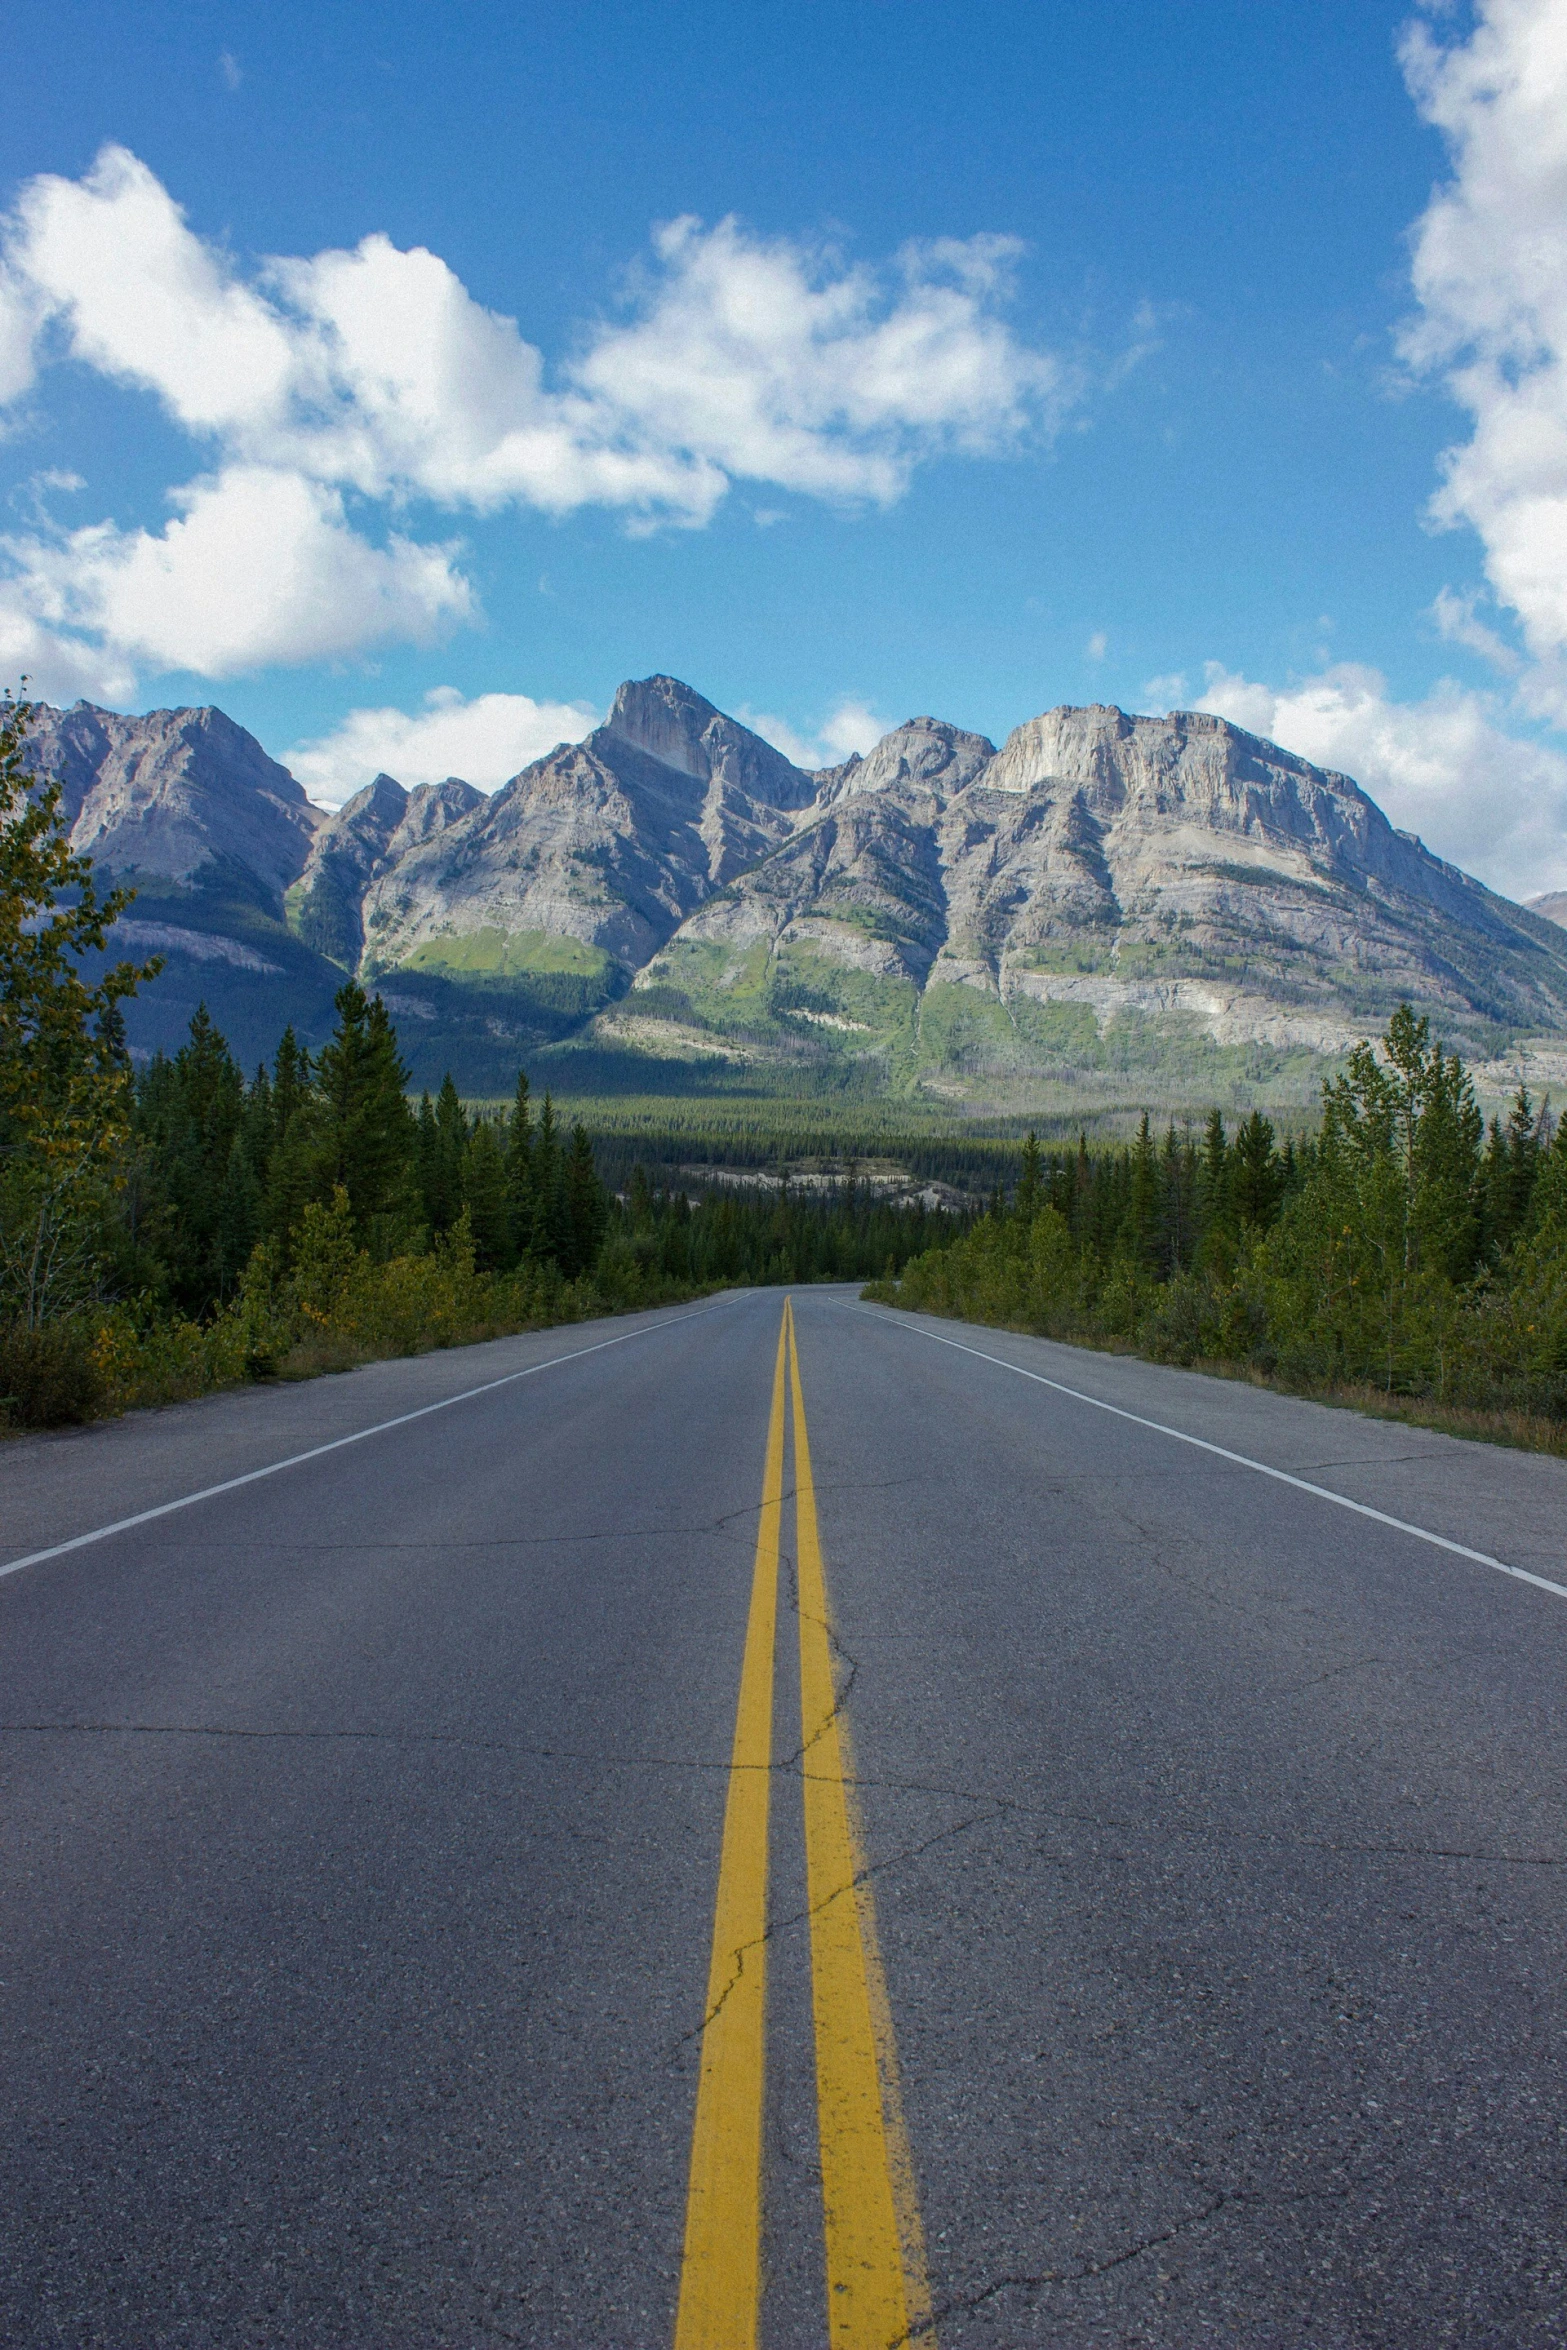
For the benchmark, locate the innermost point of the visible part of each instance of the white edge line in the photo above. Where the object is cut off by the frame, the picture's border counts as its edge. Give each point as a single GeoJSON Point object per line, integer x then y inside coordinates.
{"type": "Point", "coordinates": [1362, 1509]}
{"type": "Point", "coordinates": [36, 1558]}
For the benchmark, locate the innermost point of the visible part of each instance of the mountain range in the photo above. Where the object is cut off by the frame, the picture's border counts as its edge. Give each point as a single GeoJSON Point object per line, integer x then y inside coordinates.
{"type": "Point", "coordinates": [1106, 908]}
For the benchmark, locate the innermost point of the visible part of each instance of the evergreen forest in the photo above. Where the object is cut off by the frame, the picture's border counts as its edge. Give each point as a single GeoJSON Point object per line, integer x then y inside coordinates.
{"type": "Point", "coordinates": [1404, 1250]}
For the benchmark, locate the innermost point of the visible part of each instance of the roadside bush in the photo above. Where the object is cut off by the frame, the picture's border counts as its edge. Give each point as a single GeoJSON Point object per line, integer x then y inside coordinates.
{"type": "Point", "coordinates": [48, 1376]}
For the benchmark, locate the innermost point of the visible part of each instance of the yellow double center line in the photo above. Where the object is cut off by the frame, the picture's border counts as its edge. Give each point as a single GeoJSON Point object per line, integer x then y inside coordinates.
{"type": "Point", "coordinates": [875, 2263]}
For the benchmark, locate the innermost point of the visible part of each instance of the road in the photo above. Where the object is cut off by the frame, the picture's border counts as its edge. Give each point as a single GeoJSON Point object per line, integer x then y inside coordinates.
{"type": "Point", "coordinates": [684, 1837]}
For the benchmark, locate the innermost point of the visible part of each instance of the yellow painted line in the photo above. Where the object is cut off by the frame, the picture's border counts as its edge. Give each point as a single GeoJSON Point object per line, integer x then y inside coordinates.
{"type": "Point", "coordinates": [721, 2271]}
{"type": "Point", "coordinates": [876, 2289]}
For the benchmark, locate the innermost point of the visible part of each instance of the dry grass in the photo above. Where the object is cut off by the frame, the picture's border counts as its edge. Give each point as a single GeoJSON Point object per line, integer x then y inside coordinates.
{"type": "Point", "coordinates": [1505, 1424]}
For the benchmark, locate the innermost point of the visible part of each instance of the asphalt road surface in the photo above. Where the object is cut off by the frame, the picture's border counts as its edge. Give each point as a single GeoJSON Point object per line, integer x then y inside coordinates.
{"type": "Point", "coordinates": [661, 1834]}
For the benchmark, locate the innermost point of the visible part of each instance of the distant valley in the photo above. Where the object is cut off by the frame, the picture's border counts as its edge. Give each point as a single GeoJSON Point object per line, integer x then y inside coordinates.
{"type": "Point", "coordinates": [1106, 909]}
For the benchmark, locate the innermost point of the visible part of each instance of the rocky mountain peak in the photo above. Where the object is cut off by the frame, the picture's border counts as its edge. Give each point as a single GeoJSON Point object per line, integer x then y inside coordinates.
{"type": "Point", "coordinates": [675, 725]}
{"type": "Point", "coordinates": [377, 808]}
{"type": "Point", "coordinates": [177, 793]}
{"type": "Point", "coordinates": [1187, 756]}
{"type": "Point", "coordinates": [433, 808]}
{"type": "Point", "coordinates": [923, 754]}
{"type": "Point", "coordinates": [1104, 884]}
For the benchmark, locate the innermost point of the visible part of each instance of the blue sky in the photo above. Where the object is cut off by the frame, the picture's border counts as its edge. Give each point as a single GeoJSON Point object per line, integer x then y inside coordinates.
{"type": "Point", "coordinates": [1049, 353]}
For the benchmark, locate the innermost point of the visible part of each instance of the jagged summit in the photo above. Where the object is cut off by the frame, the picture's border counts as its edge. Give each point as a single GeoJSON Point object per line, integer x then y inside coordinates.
{"type": "Point", "coordinates": [175, 793]}
{"type": "Point", "coordinates": [677, 727]}
{"type": "Point", "coordinates": [1103, 892]}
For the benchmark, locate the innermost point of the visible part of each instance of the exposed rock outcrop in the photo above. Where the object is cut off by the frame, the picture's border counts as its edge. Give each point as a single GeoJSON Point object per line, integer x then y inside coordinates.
{"type": "Point", "coordinates": [938, 909]}
{"type": "Point", "coordinates": [1164, 866]}
{"type": "Point", "coordinates": [364, 838]}
{"type": "Point", "coordinates": [184, 795]}
{"type": "Point", "coordinates": [612, 841]}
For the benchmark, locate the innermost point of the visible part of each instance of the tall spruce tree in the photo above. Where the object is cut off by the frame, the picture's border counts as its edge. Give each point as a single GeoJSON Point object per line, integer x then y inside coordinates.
{"type": "Point", "coordinates": [521, 1188]}
{"type": "Point", "coordinates": [1142, 1218]}
{"type": "Point", "coordinates": [1256, 1172]}
{"type": "Point", "coordinates": [484, 1197]}
{"type": "Point", "coordinates": [442, 1145]}
{"type": "Point", "coordinates": [369, 1127]}
{"type": "Point", "coordinates": [586, 1208]}
{"type": "Point", "coordinates": [1029, 1197]}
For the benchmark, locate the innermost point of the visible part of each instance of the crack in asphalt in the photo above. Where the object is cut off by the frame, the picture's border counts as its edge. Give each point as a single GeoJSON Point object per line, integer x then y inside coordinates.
{"type": "Point", "coordinates": [719, 1526]}
{"type": "Point", "coordinates": [988, 1804]}
{"type": "Point", "coordinates": [842, 1691]}
{"type": "Point", "coordinates": [799, 1917]}
{"type": "Point", "coordinates": [960, 2305]}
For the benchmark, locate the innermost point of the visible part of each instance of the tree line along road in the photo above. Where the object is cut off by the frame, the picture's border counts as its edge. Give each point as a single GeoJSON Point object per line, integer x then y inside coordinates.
{"type": "Point", "coordinates": [780, 1822]}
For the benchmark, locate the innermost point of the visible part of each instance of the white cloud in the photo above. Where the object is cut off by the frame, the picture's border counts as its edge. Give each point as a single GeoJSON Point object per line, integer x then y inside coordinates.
{"type": "Point", "coordinates": [230, 72]}
{"type": "Point", "coordinates": [56, 668]}
{"type": "Point", "coordinates": [374, 372]}
{"type": "Point", "coordinates": [1489, 268]}
{"type": "Point", "coordinates": [1490, 274]}
{"type": "Point", "coordinates": [1097, 646]}
{"type": "Point", "coordinates": [1458, 621]}
{"type": "Point", "coordinates": [485, 741]}
{"type": "Point", "coordinates": [1440, 767]}
{"type": "Point", "coordinates": [258, 566]}
{"type": "Point", "coordinates": [849, 726]}
{"type": "Point", "coordinates": [768, 361]}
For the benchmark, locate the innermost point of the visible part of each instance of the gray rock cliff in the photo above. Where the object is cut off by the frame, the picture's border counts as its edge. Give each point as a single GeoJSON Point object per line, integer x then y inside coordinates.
{"type": "Point", "coordinates": [177, 794]}
{"type": "Point", "coordinates": [1105, 889]}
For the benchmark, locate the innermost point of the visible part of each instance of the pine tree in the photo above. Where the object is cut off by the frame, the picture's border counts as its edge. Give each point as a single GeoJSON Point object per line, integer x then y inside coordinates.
{"type": "Point", "coordinates": [290, 1082]}
{"type": "Point", "coordinates": [1512, 1162]}
{"type": "Point", "coordinates": [237, 1224]}
{"type": "Point", "coordinates": [1177, 1219]}
{"type": "Point", "coordinates": [552, 1227]}
{"type": "Point", "coordinates": [370, 1130]}
{"type": "Point", "coordinates": [587, 1209]}
{"type": "Point", "coordinates": [521, 1191]}
{"type": "Point", "coordinates": [1141, 1226]}
{"type": "Point", "coordinates": [1029, 1196]}
{"type": "Point", "coordinates": [443, 1143]}
{"type": "Point", "coordinates": [1256, 1172]}
{"type": "Point", "coordinates": [1214, 1177]}
{"type": "Point", "coordinates": [484, 1196]}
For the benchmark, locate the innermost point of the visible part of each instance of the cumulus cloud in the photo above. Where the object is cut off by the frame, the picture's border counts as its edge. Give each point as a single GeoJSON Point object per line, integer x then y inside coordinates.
{"type": "Point", "coordinates": [849, 726]}
{"type": "Point", "coordinates": [258, 566]}
{"type": "Point", "coordinates": [1489, 271]}
{"type": "Point", "coordinates": [1442, 767]}
{"type": "Point", "coordinates": [485, 741]}
{"type": "Point", "coordinates": [1490, 274]}
{"type": "Point", "coordinates": [373, 374]}
{"type": "Point", "coordinates": [770, 362]}
{"type": "Point", "coordinates": [58, 668]}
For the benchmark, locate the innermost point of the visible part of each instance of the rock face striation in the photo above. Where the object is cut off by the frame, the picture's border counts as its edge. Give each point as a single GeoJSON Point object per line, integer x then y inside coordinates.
{"type": "Point", "coordinates": [180, 795]}
{"type": "Point", "coordinates": [354, 847]}
{"type": "Point", "coordinates": [1159, 865]}
{"type": "Point", "coordinates": [1105, 902]}
{"type": "Point", "coordinates": [611, 842]}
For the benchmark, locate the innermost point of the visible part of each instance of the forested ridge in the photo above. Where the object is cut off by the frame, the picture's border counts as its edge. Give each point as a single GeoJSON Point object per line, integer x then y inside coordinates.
{"type": "Point", "coordinates": [1404, 1250]}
